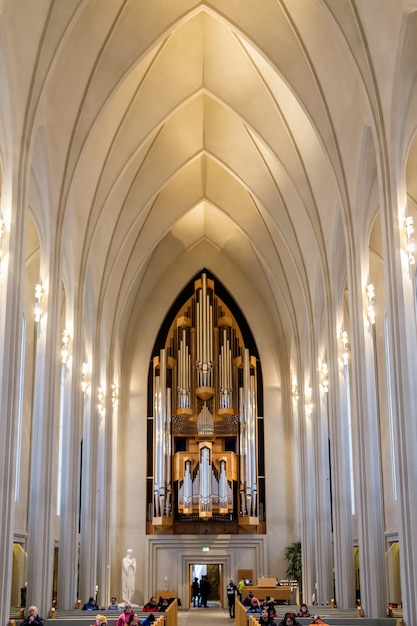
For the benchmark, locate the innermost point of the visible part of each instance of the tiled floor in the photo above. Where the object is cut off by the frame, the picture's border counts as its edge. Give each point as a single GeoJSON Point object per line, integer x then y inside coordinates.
{"type": "Point", "coordinates": [210, 616]}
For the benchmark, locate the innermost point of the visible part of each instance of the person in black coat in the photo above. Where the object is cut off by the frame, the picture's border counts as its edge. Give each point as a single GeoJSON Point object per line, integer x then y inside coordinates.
{"type": "Point", "coordinates": [205, 588]}
{"type": "Point", "coordinates": [33, 618]}
{"type": "Point", "coordinates": [195, 590]}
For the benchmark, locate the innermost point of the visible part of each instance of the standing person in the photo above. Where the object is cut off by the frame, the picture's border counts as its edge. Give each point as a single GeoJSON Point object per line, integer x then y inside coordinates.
{"type": "Point", "coordinates": [205, 588]}
{"type": "Point", "coordinates": [195, 592]}
{"type": "Point", "coordinates": [128, 576]}
{"type": "Point", "coordinates": [32, 617]}
{"type": "Point", "coordinates": [240, 588]}
{"type": "Point", "coordinates": [231, 590]}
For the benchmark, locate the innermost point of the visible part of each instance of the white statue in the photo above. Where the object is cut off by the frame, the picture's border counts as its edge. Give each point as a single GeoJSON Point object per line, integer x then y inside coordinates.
{"type": "Point", "coordinates": [128, 576]}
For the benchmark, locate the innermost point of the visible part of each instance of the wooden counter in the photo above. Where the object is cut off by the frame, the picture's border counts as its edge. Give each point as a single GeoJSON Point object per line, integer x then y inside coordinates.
{"type": "Point", "coordinates": [165, 593]}
{"type": "Point", "coordinates": [281, 593]}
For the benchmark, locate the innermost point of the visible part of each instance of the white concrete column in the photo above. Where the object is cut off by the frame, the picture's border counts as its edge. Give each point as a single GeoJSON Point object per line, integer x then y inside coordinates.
{"type": "Point", "coordinates": [88, 539]}
{"type": "Point", "coordinates": [367, 455]}
{"type": "Point", "coordinates": [402, 342]}
{"type": "Point", "coordinates": [106, 505]}
{"type": "Point", "coordinates": [11, 284]}
{"type": "Point", "coordinates": [305, 500]}
{"type": "Point", "coordinates": [341, 492]}
{"type": "Point", "coordinates": [323, 530]}
{"type": "Point", "coordinates": [70, 486]}
{"type": "Point", "coordinates": [42, 497]}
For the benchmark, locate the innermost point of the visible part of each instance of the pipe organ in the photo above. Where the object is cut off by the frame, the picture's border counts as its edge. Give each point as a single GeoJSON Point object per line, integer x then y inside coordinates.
{"type": "Point", "coordinates": [205, 417]}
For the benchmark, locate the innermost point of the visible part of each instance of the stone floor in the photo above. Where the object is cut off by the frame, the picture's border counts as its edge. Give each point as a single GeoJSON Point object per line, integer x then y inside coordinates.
{"type": "Point", "coordinates": [213, 615]}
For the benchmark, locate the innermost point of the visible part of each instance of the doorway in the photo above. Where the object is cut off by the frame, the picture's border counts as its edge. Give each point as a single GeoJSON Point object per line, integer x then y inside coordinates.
{"type": "Point", "coordinates": [214, 571]}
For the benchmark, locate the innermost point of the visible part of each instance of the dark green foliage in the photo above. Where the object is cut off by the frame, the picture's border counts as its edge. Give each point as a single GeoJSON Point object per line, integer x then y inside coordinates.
{"type": "Point", "coordinates": [293, 557]}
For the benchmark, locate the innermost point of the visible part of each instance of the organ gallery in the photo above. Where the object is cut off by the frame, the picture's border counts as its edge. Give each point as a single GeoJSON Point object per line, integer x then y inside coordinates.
{"type": "Point", "coordinates": [205, 454]}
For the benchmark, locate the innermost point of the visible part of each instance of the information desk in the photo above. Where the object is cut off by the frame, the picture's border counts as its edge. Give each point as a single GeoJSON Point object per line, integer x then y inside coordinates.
{"type": "Point", "coordinates": [165, 593]}
{"type": "Point", "coordinates": [281, 593]}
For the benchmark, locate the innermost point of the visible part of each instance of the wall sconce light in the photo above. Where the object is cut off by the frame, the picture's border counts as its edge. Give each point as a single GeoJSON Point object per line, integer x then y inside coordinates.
{"type": "Point", "coordinates": [2, 235]}
{"type": "Point", "coordinates": [101, 395]}
{"type": "Point", "coordinates": [39, 291]}
{"type": "Point", "coordinates": [114, 395]}
{"type": "Point", "coordinates": [308, 397]}
{"type": "Point", "coordinates": [85, 370]}
{"type": "Point", "coordinates": [324, 377]}
{"type": "Point", "coordinates": [409, 231]}
{"type": "Point", "coordinates": [370, 290]}
{"type": "Point", "coordinates": [65, 346]}
{"type": "Point", "coordinates": [294, 392]}
{"type": "Point", "coordinates": [345, 347]}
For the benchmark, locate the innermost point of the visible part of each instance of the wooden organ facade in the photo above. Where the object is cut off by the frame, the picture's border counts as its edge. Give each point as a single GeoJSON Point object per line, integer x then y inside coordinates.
{"type": "Point", "coordinates": [205, 421]}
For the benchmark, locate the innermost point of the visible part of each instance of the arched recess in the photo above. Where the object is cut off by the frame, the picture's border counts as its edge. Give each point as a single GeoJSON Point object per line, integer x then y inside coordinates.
{"type": "Point", "coordinates": [205, 437]}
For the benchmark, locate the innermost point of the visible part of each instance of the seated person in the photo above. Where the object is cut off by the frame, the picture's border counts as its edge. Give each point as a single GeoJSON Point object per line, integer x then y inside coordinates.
{"type": "Point", "coordinates": [265, 619]}
{"type": "Point", "coordinates": [101, 620]}
{"type": "Point", "coordinates": [33, 618]}
{"type": "Point", "coordinates": [113, 606]}
{"type": "Point", "coordinates": [90, 605]}
{"type": "Point", "coordinates": [151, 606]}
{"type": "Point", "coordinates": [134, 620]}
{"type": "Point", "coordinates": [148, 620]}
{"type": "Point", "coordinates": [289, 619]}
{"type": "Point", "coordinates": [255, 607]}
{"type": "Point", "coordinates": [248, 599]}
{"type": "Point", "coordinates": [303, 612]}
{"type": "Point", "coordinates": [317, 620]}
{"type": "Point", "coordinates": [125, 617]}
{"type": "Point", "coordinates": [271, 610]}
{"type": "Point", "coordinates": [163, 604]}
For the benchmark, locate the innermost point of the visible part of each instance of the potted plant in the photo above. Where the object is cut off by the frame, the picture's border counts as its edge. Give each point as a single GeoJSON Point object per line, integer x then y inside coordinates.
{"type": "Point", "coordinates": [292, 555]}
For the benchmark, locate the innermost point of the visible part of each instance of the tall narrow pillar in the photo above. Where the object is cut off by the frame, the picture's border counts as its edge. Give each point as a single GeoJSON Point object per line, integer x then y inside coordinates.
{"type": "Point", "coordinates": [88, 523]}
{"type": "Point", "coordinates": [341, 494]}
{"type": "Point", "coordinates": [42, 498]}
{"type": "Point", "coordinates": [70, 489]}
{"type": "Point", "coordinates": [369, 498]}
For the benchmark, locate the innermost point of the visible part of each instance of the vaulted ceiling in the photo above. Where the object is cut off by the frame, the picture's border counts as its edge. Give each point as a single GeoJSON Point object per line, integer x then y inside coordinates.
{"type": "Point", "coordinates": [166, 136]}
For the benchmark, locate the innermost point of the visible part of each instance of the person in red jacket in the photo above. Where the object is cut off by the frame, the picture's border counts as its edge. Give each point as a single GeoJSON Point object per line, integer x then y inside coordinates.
{"type": "Point", "coordinates": [151, 606]}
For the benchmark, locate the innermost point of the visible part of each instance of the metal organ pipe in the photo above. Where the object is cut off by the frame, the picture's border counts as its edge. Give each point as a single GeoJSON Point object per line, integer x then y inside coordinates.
{"type": "Point", "coordinates": [160, 439]}
{"type": "Point", "coordinates": [205, 480]}
{"type": "Point", "coordinates": [188, 488]}
{"type": "Point", "coordinates": [167, 453]}
{"type": "Point", "coordinates": [156, 478]}
{"type": "Point", "coordinates": [254, 483]}
{"type": "Point", "coordinates": [204, 324]}
{"type": "Point", "coordinates": [223, 486]}
{"type": "Point", "coordinates": [243, 452]}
